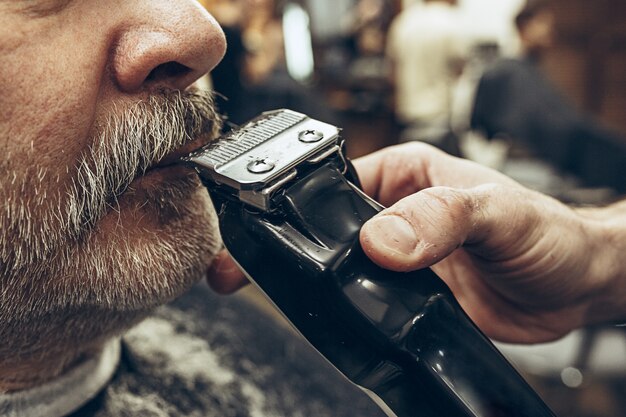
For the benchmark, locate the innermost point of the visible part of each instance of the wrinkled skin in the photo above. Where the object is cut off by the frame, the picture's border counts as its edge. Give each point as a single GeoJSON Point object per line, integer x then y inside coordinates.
{"type": "Point", "coordinates": [96, 227]}
{"type": "Point", "coordinates": [525, 267]}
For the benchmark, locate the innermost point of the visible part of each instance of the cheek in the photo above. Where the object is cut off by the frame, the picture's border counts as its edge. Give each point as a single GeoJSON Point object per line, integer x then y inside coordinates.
{"type": "Point", "coordinates": [47, 107]}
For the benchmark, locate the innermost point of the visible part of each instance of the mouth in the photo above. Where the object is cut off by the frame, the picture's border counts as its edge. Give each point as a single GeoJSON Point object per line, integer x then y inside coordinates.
{"type": "Point", "coordinates": [167, 183]}
{"type": "Point", "coordinates": [168, 168]}
{"type": "Point", "coordinates": [173, 158]}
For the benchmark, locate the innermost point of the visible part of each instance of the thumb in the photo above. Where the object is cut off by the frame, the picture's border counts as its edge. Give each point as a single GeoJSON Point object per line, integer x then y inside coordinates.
{"type": "Point", "coordinates": [422, 229]}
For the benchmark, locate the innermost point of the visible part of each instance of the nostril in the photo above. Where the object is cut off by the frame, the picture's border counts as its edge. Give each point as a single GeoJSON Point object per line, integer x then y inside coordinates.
{"type": "Point", "coordinates": [167, 71]}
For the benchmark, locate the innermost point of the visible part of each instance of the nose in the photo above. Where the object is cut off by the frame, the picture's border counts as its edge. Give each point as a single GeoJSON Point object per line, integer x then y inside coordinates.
{"type": "Point", "coordinates": [171, 45]}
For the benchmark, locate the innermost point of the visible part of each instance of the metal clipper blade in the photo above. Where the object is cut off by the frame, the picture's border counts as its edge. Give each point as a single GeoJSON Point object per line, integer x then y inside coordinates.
{"type": "Point", "coordinates": [253, 159]}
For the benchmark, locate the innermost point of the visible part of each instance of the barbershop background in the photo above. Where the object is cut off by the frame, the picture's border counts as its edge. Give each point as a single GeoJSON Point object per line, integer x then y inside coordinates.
{"type": "Point", "coordinates": [554, 118]}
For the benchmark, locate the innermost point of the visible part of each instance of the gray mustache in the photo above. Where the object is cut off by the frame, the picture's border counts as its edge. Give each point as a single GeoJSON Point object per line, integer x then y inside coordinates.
{"type": "Point", "coordinates": [129, 143]}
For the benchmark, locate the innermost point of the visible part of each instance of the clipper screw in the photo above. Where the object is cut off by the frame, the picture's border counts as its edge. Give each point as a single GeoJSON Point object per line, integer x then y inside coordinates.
{"type": "Point", "coordinates": [310, 136]}
{"type": "Point", "coordinates": [261, 166]}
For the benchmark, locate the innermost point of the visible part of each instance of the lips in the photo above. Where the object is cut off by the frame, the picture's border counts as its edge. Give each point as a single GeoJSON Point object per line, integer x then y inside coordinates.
{"type": "Point", "coordinates": [174, 157]}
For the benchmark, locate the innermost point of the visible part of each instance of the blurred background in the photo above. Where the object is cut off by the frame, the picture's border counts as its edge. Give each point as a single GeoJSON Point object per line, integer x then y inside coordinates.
{"type": "Point", "coordinates": [535, 89]}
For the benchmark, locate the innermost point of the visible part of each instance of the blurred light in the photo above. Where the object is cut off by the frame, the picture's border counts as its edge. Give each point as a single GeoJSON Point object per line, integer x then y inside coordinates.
{"type": "Point", "coordinates": [572, 377]}
{"type": "Point", "coordinates": [298, 46]}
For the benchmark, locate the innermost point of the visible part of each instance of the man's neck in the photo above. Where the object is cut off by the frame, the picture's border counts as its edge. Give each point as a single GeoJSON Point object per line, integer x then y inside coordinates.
{"type": "Point", "coordinates": [68, 392]}
{"type": "Point", "coordinates": [18, 375]}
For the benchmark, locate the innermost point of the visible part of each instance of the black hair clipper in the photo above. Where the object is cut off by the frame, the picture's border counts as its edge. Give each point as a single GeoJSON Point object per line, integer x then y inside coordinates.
{"type": "Point", "coordinates": [290, 211]}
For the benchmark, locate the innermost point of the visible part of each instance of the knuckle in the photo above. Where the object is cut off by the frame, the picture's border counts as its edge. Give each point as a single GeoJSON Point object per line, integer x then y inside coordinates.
{"type": "Point", "coordinates": [412, 149]}
{"type": "Point", "coordinates": [439, 213]}
{"type": "Point", "coordinates": [448, 202]}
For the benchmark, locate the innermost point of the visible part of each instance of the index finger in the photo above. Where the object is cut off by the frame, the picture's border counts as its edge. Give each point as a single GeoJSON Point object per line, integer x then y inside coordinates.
{"type": "Point", "coordinates": [396, 172]}
{"type": "Point", "coordinates": [393, 173]}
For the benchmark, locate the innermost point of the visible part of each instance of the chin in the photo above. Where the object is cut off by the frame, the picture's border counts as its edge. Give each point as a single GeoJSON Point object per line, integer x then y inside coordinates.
{"type": "Point", "coordinates": [159, 242]}
{"type": "Point", "coordinates": [152, 247]}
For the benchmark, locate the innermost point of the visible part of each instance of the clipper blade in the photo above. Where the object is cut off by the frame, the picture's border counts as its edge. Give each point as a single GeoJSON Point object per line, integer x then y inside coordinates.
{"type": "Point", "coordinates": [262, 152]}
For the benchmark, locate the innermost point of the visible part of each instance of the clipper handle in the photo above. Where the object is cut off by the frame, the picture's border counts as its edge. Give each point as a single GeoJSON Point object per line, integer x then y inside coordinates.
{"type": "Point", "coordinates": [401, 336]}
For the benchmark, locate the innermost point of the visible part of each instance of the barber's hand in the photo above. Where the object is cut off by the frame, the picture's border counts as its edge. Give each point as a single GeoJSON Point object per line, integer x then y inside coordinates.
{"type": "Point", "coordinates": [224, 275]}
{"type": "Point", "coordinates": [518, 261]}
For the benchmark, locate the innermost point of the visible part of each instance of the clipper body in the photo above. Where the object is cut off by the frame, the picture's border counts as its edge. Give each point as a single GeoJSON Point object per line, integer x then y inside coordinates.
{"type": "Point", "coordinates": [294, 230]}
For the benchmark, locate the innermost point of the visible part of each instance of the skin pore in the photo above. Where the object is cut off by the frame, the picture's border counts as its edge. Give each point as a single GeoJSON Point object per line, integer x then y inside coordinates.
{"type": "Point", "coordinates": [96, 226]}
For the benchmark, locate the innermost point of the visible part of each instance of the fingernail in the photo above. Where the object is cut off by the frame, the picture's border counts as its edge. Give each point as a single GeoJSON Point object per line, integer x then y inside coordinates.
{"type": "Point", "coordinates": [393, 233]}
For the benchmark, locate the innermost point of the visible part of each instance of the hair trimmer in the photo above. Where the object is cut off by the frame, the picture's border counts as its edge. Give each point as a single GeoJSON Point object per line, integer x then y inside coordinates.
{"type": "Point", "coordinates": [290, 210]}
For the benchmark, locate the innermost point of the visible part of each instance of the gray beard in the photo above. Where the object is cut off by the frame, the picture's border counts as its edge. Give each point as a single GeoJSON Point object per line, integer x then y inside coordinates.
{"type": "Point", "coordinates": [65, 282]}
{"type": "Point", "coordinates": [106, 285]}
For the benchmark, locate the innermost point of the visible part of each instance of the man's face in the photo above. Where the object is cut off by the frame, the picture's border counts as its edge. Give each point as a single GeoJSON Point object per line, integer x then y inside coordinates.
{"type": "Point", "coordinates": [95, 228]}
